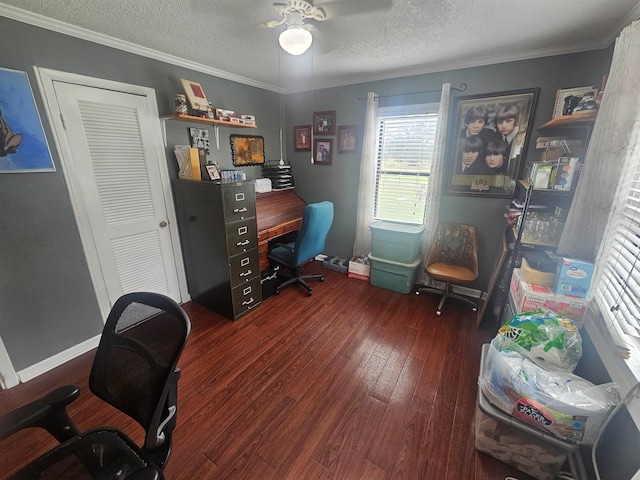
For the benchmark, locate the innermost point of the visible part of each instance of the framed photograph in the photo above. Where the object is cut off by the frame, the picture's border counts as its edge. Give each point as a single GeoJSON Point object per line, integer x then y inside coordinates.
{"type": "Point", "coordinates": [488, 139]}
{"type": "Point", "coordinates": [199, 138]}
{"type": "Point", "coordinates": [564, 93]}
{"type": "Point", "coordinates": [23, 145]}
{"type": "Point", "coordinates": [302, 138]}
{"type": "Point", "coordinates": [347, 138]}
{"type": "Point", "coordinates": [195, 95]}
{"type": "Point", "coordinates": [246, 150]}
{"type": "Point", "coordinates": [324, 123]}
{"type": "Point", "coordinates": [323, 148]}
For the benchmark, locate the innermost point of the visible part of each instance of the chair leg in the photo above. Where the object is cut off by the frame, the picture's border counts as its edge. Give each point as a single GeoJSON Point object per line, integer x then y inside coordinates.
{"type": "Point", "coordinates": [447, 293]}
{"type": "Point", "coordinates": [298, 278]}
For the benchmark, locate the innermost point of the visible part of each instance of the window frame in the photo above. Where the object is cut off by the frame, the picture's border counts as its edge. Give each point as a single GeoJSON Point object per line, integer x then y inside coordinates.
{"type": "Point", "coordinates": [425, 109]}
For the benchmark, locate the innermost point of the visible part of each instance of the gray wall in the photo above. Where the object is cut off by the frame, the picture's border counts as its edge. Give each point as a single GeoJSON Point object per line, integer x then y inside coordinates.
{"type": "Point", "coordinates": [47, 303]}
{"type": "Point", "coordinates": [338, 182]}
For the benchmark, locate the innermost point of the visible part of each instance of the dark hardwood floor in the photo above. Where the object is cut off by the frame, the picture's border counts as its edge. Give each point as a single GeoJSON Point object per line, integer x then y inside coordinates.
{"type": "Point", "coordinates": [355, 382]}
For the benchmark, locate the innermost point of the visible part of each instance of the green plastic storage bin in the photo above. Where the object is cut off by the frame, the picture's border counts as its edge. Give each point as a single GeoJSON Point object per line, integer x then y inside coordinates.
{"type": "Point", "coordinates": [396, 276]}
{"type": "Point", "coordinates": [396, 242]}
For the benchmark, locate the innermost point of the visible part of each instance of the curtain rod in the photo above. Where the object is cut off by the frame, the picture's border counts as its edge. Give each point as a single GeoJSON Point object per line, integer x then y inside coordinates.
{"type": "Point", "coordinates": [461, 88]}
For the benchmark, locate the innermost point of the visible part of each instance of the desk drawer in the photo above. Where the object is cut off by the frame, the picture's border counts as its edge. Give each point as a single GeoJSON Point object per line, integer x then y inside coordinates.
{"type": "Point", "coordinates": [238, 203]}
{"type": "Point", "coordinates": [244, 267]}
{"type": "Point", "coordinates": [242, 236]}
{"type": "Point", "coordinates": [275, 231]}
{"type": "Point", "coordinates": [246, 296]}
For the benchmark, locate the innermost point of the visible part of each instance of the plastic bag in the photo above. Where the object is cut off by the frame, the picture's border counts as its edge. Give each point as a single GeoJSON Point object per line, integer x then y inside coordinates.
{"type": "Point", "coordinates": [544, 337]}
{"type": "Point", "coordinates": [558, 402]}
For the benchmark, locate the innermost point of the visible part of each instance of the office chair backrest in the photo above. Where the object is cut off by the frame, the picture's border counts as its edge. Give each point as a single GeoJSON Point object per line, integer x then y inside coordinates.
{"type": "Point", "coordinates": [135, 364]}
{"type": "Point", "coordinates": [455, 244]}
{"type": "Point", "coordinates": [316, 222]}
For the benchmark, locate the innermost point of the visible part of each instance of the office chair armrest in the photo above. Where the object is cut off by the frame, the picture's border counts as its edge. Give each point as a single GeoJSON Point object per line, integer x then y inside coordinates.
{"type": "Point", "coordinates": [49, 412]}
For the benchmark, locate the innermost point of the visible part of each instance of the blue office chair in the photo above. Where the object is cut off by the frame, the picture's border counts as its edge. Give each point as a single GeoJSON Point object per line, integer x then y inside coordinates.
{"type": "Point", "coordinates": [316, 222]}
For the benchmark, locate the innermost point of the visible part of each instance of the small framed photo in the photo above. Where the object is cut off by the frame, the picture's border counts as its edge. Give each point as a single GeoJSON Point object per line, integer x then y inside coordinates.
{"type": "Point", "coordinates": [347, 138]}
{"type": "Point", "coordinates": [564, 93]}
{"type": "Point", "coordinates": [213, 171]}
{"type": "Point", "coordinates": [324, 123]}
{"type": "Point", "coordinates": [302, 138]}
{"type": "Point", "coordinates": [246, 150]}
{"type": "Point", "coordinates": [199, 138]}
{"type": "Point", "coordinates": [323, 148]}
{"type": "Point", "coordinates": [195, 95]}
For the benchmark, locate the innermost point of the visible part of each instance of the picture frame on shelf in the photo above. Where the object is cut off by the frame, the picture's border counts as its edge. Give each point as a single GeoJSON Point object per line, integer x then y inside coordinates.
{"type": "Point", "coordinates": [324, 123]}
{"type": "Point", "coordinates": [302, 138]}
{"type": "Point", "coordinates": [347, 138]}
{"type": "Point", "coordinates": [199, 138]}
{"type": "Point", "coordinates": [195, 95]}
{"type": "Point", "coordinates": [247, 150]}
{"type": "Point", "coordinates": [564, 93]}
{"type": "Point", "coordinates": [323, 148]}
{"type": "Point", "coordinates": [480, 160]}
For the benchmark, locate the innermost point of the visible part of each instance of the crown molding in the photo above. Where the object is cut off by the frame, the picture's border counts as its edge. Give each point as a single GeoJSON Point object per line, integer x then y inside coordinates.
{"type": "Point", "coordinates": [37, 20]}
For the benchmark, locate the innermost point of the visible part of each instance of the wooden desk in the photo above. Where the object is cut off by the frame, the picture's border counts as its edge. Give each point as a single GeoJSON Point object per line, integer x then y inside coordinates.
{"type": "Point", "coordinates": [277, 212]}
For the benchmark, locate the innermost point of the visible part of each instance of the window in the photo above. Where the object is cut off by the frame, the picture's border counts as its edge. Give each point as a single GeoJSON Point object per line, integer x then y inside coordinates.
{"type": "Point", "coordinates": [618, 290]}
{"type": "Point", "coordinates": [406, 140]}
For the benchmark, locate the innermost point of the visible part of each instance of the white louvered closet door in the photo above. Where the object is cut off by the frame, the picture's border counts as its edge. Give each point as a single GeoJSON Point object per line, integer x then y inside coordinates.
{"type": "Point", "coordinates": [116, 167]}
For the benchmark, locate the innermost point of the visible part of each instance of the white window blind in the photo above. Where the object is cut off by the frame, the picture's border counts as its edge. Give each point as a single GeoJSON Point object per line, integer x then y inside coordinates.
{"type": "Point", "coordinates": [406, 143]}
{"type": "Point", "coordinates": [618, 288]}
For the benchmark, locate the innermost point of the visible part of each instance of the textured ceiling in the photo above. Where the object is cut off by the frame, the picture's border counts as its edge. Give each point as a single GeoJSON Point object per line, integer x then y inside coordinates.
{"type": "Point", "coordinates": [361, 40]}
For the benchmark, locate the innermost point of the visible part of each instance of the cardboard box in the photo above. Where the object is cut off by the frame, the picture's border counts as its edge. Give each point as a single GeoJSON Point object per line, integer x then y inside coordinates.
{"type": "Point", "coordinates": [529, 296]}
{"type": "Point", "coordinates": [573, 277]}
{"type": "Point", "coordinates": [531, 275]}
{"type": "Point", "coordinates": [359, 268]}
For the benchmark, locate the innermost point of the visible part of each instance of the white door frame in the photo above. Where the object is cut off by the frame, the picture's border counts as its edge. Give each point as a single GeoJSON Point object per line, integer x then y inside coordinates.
{"type": "Point", "coordinates": [45, 78]}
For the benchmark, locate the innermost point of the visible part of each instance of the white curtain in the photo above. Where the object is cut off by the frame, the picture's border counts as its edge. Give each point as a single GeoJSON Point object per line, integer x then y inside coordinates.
{"type": "Point", "coordinates": [607, 150]}
{"type": "Point", "coordinates": [434, 192]}
{"type": "Point", "coordinates": [367, 184]}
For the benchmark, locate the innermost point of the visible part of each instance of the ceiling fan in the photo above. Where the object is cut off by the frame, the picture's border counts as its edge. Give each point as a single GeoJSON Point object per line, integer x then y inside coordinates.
{"type": "Point", "coordinates": [296, 39]}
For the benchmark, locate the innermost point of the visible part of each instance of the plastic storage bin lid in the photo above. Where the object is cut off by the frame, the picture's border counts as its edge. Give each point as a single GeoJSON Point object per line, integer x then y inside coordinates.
{"type": "Point", "coordinates": [396, 227]}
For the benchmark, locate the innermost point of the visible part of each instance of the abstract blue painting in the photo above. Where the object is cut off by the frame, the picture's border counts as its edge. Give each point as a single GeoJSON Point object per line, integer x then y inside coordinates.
{"type": "Point", "coordinates": [23, 146]}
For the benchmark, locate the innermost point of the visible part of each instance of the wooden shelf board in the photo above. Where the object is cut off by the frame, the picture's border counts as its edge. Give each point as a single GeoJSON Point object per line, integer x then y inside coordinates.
{"type": "Point", "coordinates": [210, 121]}
{"type": "Point", "coordinates": [578, 119]}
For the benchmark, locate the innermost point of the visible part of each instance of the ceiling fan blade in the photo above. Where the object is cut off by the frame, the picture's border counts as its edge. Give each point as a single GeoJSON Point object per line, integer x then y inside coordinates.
{"type": "Point", "coordinates": [275, 23]}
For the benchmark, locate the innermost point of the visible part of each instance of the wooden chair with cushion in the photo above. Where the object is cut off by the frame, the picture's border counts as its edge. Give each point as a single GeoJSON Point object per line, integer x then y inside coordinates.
{"type": "Point", "coordinates": [453, 259]}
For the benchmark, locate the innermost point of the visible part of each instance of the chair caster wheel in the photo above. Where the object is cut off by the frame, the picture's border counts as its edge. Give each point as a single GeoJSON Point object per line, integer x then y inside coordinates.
{"type": "Point", "coordinates": [417, 292]}
{"type": "Point", "coordinates": [438, 313]}
{"type": "Point", "coordinates": [474, 309]}
{"type": "Point", "coordinates": [309, 292]}
{"type": "Point", "coordinates": [321, 279]}
{"type": "Point", "coordinates": [276, 291]}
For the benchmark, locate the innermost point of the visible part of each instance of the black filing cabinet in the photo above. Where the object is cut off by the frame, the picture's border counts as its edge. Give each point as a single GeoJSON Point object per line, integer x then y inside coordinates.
{"type": "Point", "coordinates": [219, 237]}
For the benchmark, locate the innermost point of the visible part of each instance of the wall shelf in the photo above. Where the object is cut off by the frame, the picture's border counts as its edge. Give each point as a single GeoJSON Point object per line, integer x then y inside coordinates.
{"type": "Point", "coordinates": [191, 119]}
{"type": "Point", "coordinates": [210, 121]}
{"type": "Point", "coordinates": [576, 120]}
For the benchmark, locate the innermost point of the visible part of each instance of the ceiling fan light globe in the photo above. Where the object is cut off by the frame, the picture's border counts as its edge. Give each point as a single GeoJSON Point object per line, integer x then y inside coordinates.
{"type": "Point", "coordinates": [295, 40]}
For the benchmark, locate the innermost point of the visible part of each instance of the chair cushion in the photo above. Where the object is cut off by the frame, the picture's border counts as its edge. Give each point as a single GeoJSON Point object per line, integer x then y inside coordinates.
{"type": "Point", "coordinates": [283, 255]}
{"type": "Point", "coordinates": [450, 273]}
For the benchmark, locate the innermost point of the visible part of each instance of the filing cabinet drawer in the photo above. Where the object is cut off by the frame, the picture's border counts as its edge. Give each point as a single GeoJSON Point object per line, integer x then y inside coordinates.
{"type": "Point", "coordinates": [238, 202]}
{"type": "Point", "coordinates": [244, 267]}
{"type": "Point", "coordinates": [241, 236]}
{"type": "Point", "coordinates": [246, 296]}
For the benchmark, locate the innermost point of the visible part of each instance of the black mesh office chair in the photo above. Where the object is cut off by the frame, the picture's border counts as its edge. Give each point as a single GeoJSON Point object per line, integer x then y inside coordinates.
{"type": "Point", "coordinates": [134, 370]}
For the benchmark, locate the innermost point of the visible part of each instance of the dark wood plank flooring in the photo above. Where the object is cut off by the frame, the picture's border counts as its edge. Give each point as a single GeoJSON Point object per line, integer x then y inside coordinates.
{"type": "Point", "coordinates": [355, 382]}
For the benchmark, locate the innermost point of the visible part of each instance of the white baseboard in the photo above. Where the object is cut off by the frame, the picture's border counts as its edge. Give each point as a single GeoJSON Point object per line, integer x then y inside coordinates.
{"type": "Point", "coordinates": [58, 359]}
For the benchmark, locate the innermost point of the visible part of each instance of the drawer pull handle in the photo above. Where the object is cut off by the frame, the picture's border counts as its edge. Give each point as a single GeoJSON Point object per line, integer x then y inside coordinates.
{"type": "Point", "coordinates": [245, 274]}
{"type": "Point", "coordinates": [246, 242]}
{"type": "Point", "coordinates": [248, 302]}
{"type": "Point", "coordinates": [239, 210]}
